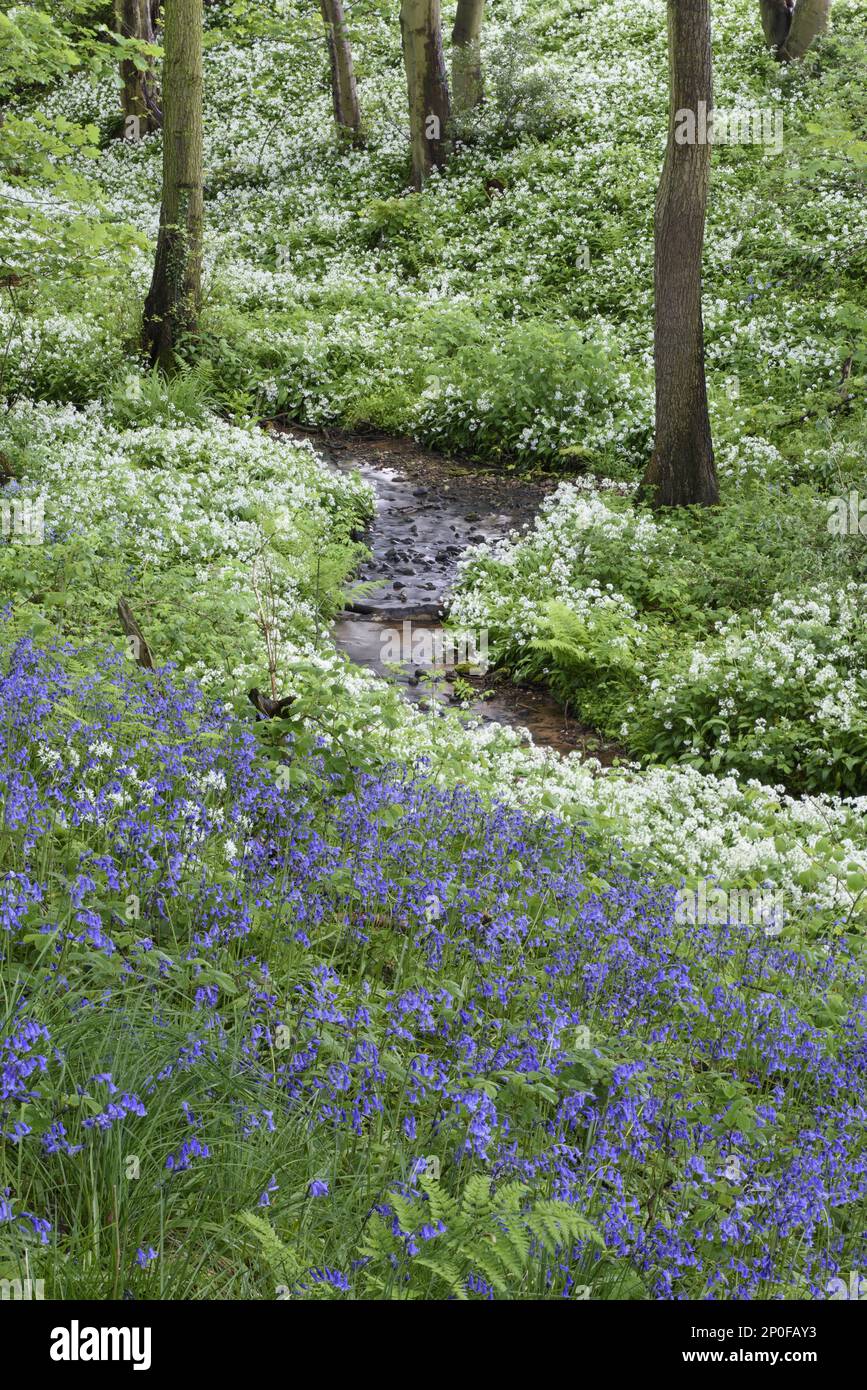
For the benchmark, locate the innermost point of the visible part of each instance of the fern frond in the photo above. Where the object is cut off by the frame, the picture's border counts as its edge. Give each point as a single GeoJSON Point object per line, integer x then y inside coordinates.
{"type": "Point", "coordinates": [279, 1257]}
{"type": "Point", "coordinates": [442, 1206]}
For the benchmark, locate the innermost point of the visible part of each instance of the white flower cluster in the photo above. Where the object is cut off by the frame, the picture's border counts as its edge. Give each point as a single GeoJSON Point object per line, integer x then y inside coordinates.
{"type": "Point", "coordinates": [505, 586]}
{"type": "Point", "coordinates": [225, 504]}
{"type": "Point", "coordinates": [806, 658]}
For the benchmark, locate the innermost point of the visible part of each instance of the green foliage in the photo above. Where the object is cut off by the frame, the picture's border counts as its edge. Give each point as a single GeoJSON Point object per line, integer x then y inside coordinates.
{"type": "Point", "coordinates": [72, 238]}
{"type": "Point", "coordinates": [592, 660]}
{"type": "Point", "coordinates": [210, 532]}
{"type": "Point", "coordinates": [405, 228]}
{"type": "Point", "coordinates": [504, 1234]}
{"type": "Point", "coordinates": [151, 398]}
{"type": "Point", "coordinates": [33, 49]}
{"type": "Point", "coordinates": [522, 95]}
{"type": "Point", "coordinates": [487, 402]}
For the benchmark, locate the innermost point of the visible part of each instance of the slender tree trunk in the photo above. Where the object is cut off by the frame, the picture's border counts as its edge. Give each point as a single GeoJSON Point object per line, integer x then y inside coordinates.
{"type": "Point", "coordinates": [139, 100]}
{"type": "Point", "coordinates": [427, 86]}
{"type": "Point", "coordinates": [808, 22]}
{"type": "Point", "coordinates": [172, 306]}
{"type": "Point", "coordinates": [343, 92]}
{"type": "Point", "coordinates": [776, 22]}
{"type": "Point", "coordinates": [467, 83]}
{"type": "Point", "coordinates": [681, 470]}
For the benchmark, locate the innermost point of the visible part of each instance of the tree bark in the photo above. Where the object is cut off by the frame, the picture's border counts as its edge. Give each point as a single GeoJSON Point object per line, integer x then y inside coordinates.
{"type": "Point", "coordinates": [467, 82]}
{"type": "Point", "coordinates": [139, 100]}
{"type": "Point", "coordinates": [427, 86]}
{"type": "Point", "coordinates": [681, 471]}
{"type": "Point", "coordinates": [808, 22]}
{"type": "Point", "coordinates": [173, 302]}
{"type": "Point", "coordinates": [347, 114]}
{"type": "Point", "coordinates": [776, 22]}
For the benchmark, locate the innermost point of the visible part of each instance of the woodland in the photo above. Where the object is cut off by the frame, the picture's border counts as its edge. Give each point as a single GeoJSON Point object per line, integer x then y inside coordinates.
{"type": "Point", "coordinates": [433, 667]}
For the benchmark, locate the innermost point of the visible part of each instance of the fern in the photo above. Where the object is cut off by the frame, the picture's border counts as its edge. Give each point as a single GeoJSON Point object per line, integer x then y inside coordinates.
{"type": "Point", "coordinates": [603, 641]}
{"type": "Point", "coordinates": [280, 1259]}
{"type": "Point", "coordinates": [507, 1237]}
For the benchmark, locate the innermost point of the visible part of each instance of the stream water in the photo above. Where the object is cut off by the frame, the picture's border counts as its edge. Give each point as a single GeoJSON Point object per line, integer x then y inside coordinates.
{"type": "Point", "coordinates": [429, 509]}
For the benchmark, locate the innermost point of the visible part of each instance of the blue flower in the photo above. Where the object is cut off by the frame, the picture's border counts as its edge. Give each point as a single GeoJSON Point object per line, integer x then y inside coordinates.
{"type": "Point", "coordinates": [264, 1199]}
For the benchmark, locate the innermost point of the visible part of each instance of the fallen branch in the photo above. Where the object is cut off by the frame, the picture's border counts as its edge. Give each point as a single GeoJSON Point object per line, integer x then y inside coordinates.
{"type": "Point", "coordinates": [135, 637]}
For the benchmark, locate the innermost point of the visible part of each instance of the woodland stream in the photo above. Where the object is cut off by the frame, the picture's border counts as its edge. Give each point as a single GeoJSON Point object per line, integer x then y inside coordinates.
{"type": "Point", "coordinates": [429, 509]}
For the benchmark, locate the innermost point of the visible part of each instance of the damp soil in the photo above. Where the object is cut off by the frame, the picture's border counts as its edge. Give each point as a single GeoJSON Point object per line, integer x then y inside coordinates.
{"type": "Point", "coordinates": [429, 510]}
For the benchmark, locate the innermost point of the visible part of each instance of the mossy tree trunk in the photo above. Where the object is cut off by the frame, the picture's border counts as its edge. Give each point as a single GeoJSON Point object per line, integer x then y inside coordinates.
{"type": "Point", "coordinates": [427, 86]}
{"type": "Point", "coordinates": [467, 81]}
{"type": "Point", "coordinates": [809, 20]}
{"type": "Point", "coordinates": [139, 100]}
{"type": "Point", "coordinates": [791, 26]}
{"type": "Point", "coordinates": [681, 471]}
{"type": "Point", "coordinates": [344, 95]}
{"type": "Point", "coordinates": [173, 302]}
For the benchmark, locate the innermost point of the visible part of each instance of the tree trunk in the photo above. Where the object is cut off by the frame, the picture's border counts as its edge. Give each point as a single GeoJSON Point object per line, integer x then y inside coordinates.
{"type": "Point", "coordinates": [139, 101]}
{"type": "Point", "coordinates": [427, 86]}
{"type": "Point", "coordinates": [467, 84]}
{"type": "Point", "coordinates": [808, 22]}
{"type": "Point", "coordinates": [681, 471]}
{"type": "Point", "coordinates": [343, 92]}
{"type": "Point", "coordinates": [776, 22]}
{"type": "Point", "coordinates": [172, 306]}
